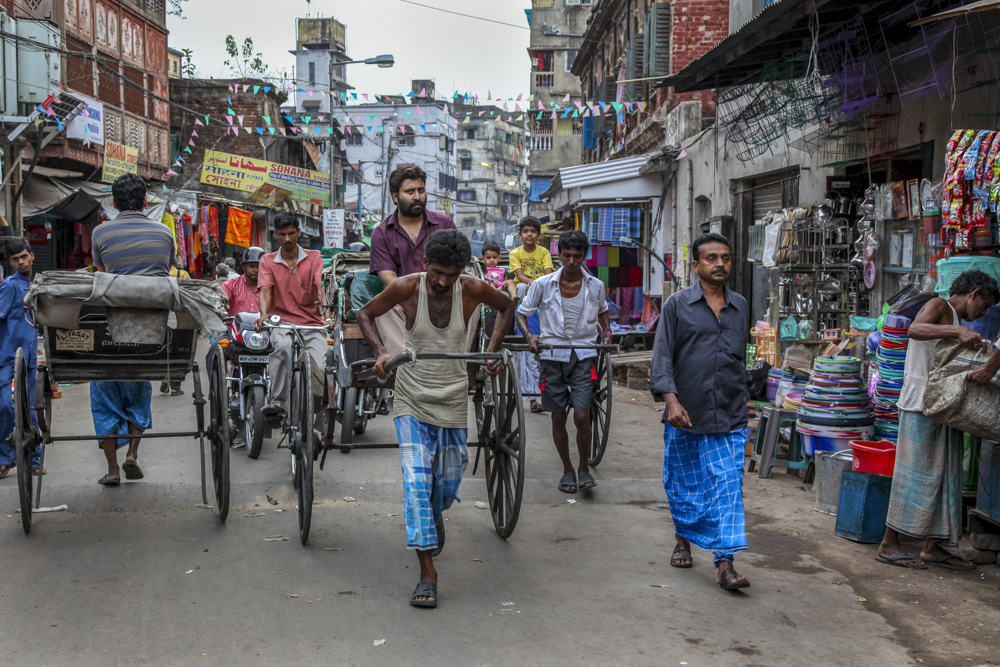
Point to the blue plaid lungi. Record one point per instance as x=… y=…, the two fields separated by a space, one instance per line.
x=703 y=478
x=115 y=404
x=434 y=459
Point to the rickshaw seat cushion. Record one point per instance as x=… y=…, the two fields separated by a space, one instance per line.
x=55 y=298
x=363 y=288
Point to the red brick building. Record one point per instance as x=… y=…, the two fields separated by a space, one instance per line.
x=121 y=70
x=642 y=39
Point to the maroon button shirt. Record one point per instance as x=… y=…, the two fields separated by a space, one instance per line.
x=393 y=250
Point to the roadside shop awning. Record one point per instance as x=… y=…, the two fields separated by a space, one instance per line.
x=779 y=32
x=608 y=182
x=64 y=198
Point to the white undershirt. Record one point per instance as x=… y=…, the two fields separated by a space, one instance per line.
x=572 y=312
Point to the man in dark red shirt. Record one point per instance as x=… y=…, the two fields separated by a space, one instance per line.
x=398 y=242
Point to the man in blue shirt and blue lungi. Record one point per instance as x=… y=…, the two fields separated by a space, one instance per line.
x=699 y=370
x=16 y=331
x=131 y=244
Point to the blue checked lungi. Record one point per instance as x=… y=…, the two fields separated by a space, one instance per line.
x=703 y=478
x=434 y=459
x=926 y=497
x=115 y=404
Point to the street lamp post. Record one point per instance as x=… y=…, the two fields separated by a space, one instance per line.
x=383 y=61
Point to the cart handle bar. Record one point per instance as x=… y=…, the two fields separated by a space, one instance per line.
x=523 y=347
x=411 y=357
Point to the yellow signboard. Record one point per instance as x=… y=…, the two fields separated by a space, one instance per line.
x=118 y=160
x=250 y=174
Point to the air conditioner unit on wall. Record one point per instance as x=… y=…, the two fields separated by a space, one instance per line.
x=8 y=65
x=38 y=68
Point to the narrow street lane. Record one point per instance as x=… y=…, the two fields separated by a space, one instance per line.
x=140 y=574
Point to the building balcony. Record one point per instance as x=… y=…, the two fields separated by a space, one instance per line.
x=540 y=143
x=544 y=80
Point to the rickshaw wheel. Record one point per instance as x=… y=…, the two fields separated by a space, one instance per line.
x=600 y=408
x=505 y=445
x=22 y=438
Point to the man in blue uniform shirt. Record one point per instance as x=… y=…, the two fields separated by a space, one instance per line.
x=16 y=332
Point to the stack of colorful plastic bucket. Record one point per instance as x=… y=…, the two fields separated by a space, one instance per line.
x=891 y=357
x=835 y=407
x=773 y=380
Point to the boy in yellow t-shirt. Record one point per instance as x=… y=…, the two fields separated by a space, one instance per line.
x=528 y=263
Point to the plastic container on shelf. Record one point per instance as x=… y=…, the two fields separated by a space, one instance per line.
x=950 y=269
x=878 y=458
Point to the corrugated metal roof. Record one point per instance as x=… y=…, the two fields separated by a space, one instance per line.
x=602 y=172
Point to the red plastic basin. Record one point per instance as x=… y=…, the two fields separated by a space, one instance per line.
x=874 y=457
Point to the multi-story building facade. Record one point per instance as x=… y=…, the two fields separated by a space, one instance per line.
x=121 y=72
x=557 y=28
x=392 y=132
x=320 y=45
x=640 y=43
x=491 y=170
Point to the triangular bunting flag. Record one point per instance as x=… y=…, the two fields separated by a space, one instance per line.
x=256 y=89
x=171 y=172
x=230 y=111
x=197 y=121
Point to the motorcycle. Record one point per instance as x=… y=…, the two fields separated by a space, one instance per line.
x=247 y=356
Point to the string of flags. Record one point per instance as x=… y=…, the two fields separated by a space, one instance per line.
x=355 y=120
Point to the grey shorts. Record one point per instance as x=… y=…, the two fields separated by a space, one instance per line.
x=566 y=383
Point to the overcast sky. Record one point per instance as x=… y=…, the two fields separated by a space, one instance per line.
x=458 y=53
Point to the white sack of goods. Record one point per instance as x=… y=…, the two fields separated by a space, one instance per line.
x=952 y=399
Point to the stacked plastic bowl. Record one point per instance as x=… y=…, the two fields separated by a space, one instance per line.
x=835 y=407
x=891 y=356
x=793 y=384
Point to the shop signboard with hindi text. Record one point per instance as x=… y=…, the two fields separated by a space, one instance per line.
x=245 y=174
x=118 y=161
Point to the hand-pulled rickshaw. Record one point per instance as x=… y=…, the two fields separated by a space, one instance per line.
x=84 y=343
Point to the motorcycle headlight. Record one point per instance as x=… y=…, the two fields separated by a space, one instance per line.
x=256 y=340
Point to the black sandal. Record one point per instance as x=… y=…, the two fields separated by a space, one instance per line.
x=426 y=589
x=678 y=560
x=731 y=580
x=568 y=483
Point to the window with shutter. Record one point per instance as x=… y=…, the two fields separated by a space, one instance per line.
x=656 y=55
x=634 y=91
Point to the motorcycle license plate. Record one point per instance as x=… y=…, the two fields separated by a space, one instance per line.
x=253 y=358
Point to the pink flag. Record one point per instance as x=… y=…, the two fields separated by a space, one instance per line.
x=519 y=95
x=423 y=92
x=190 y=142
x=194 y=133
x=230 y=119
x=517 y=107
x=171 y=172
x=419 y=112
x=541 y=107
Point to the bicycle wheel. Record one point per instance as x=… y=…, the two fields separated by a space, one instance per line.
x=219 y=438
x=304 y=448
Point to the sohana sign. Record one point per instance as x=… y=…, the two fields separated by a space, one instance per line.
x=118 y=160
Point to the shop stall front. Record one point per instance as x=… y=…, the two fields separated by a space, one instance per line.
x=617 y=205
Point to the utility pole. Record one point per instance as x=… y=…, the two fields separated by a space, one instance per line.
x=388 y=163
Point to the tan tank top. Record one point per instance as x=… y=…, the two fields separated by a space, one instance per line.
x=919 y=360
x=435 y=391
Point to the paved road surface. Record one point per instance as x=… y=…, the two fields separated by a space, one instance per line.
x=140 y=575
